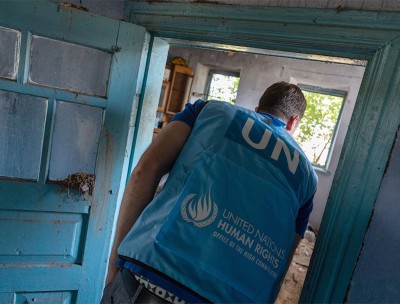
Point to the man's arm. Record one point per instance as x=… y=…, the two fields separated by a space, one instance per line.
x=156 y=161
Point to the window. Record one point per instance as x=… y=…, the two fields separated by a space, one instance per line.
x=223 y=86
x=319 y=124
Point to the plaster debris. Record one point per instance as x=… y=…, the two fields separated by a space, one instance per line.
x=63 y=5
x=83 y=182
x=294 y=279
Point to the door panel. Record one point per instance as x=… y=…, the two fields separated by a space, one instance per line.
x=64 y=231
x=75 y=140
x=10 y=41
x=67 y=98
x=45 y=297
x=66 y=61
x=22 y=119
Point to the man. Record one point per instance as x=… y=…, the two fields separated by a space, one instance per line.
x=234 y=208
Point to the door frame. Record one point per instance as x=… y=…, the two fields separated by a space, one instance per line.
x=358 y=35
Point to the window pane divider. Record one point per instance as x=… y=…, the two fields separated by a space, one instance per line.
x=23 y=56
x=47 y=139
x=53 y=93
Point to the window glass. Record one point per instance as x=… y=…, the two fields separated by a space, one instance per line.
x=223 y=86
x=69 y=66
x=10 y=41
x=75 y=140
x=318 y=126
x=22 y=120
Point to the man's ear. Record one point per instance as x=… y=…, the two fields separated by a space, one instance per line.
x=256 y=109
x=292 y=124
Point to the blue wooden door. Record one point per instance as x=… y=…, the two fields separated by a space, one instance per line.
x=69 y=85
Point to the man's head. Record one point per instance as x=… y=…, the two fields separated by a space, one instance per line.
x=285 y=101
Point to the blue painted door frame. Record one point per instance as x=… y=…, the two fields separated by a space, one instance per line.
x=47 y=275
x=371 y=36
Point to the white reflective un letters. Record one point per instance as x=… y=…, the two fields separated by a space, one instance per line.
x=263 y=143
x=264 y=140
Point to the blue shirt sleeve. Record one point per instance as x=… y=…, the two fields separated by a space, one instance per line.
x=303 y=216
x=190 y=113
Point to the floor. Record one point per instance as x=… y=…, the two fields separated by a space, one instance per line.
x=294 y=280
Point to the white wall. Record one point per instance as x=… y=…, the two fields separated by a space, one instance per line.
x=257 y=72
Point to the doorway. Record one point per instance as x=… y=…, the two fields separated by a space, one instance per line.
x=324 y=32
x=257 y=71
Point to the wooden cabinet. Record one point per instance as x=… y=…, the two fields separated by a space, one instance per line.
x=163 y=96
x=179 y=93
x=175 y=93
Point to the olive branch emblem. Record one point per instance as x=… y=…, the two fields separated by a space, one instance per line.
x=201 y=212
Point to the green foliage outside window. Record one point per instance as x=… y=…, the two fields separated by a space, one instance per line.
x=223 y=88
x=318 y=124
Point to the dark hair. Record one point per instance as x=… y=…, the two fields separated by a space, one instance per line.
x=283 y=100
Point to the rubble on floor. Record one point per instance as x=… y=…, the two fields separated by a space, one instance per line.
x=294 y=280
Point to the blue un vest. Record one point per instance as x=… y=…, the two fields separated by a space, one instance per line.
x=224 y=224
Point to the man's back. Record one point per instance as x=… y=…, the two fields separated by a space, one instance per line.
x=225 y=223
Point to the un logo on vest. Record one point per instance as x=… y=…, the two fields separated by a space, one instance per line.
x=201 y=212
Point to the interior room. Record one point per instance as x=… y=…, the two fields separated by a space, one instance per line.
x=86 y=86
x=189 y=75
x=258 y=71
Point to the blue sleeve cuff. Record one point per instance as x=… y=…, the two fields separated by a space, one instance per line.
x=189 y=113
x=303 y=217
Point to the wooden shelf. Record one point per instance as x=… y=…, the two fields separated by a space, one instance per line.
x=175 y=93
x=181 y=85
